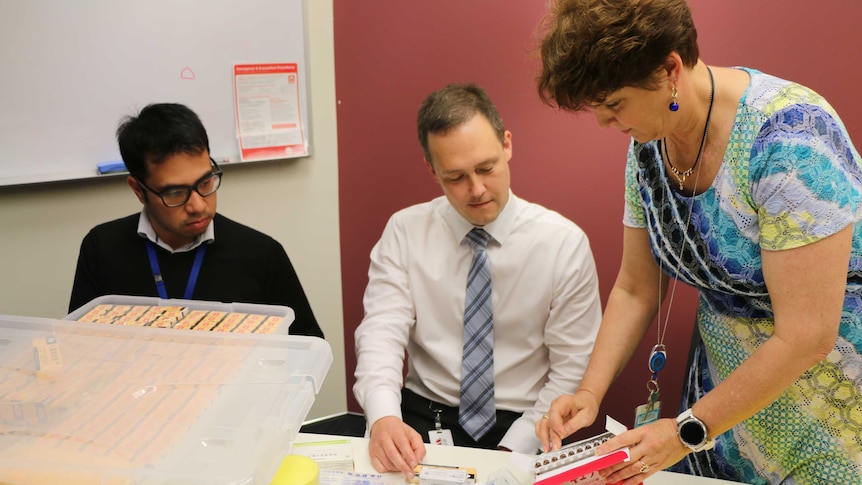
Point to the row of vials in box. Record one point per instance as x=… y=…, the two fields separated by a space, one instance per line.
x=180 y=317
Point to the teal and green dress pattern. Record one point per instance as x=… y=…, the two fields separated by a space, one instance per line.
x=790 y=177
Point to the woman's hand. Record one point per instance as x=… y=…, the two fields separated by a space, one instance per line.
x=652 y=447
x=568 y=413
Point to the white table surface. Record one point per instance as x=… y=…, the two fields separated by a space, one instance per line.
x=485 y=462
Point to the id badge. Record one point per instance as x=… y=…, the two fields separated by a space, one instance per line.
x=441 y=437
x=647 y=413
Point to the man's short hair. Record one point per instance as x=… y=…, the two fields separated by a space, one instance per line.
x=453 y=106
x=159 y=131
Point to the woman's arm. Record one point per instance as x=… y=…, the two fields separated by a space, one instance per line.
x=632 y=304
x=806 y=286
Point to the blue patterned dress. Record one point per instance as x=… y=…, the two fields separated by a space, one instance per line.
x=790 y=177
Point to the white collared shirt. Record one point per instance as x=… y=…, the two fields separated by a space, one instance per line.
x=545 y=299
x=146 y=230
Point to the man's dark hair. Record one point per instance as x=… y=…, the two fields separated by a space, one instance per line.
x=159 y=131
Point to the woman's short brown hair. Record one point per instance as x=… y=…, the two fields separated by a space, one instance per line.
x=592 y=48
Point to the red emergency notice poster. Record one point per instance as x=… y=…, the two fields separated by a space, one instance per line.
x=268 y=118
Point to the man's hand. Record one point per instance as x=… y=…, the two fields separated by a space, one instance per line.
x=395 y=446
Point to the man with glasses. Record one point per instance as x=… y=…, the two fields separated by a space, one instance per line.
x=178 y=246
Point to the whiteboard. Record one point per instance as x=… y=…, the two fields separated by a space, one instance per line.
x=72 y=69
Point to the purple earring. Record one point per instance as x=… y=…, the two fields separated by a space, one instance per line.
x=673 y=106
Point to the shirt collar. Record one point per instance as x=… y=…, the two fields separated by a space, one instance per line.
x=145 y=230
x=499 y=229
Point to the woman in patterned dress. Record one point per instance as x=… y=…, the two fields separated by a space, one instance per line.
x=748 y=188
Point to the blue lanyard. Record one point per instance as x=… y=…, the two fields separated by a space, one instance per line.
x=157 y=272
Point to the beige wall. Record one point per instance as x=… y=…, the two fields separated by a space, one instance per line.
x=296 y=202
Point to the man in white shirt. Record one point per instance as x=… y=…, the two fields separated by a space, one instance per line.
x=544 y=298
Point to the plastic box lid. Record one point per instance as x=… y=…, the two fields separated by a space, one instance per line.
x=87 y=403
x=286 y=313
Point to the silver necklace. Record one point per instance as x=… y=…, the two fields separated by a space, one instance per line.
x=662 y=328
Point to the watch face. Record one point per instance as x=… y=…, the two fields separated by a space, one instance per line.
x=692 y=433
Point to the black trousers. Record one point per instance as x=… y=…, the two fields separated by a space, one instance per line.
x=420 y=414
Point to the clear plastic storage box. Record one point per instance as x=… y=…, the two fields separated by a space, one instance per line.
x=86 y=403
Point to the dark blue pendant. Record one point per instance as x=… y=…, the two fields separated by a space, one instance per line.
x=673 y=106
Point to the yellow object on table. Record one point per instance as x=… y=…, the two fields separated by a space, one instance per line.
x=296 y=470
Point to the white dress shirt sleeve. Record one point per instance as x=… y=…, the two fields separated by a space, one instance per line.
x=381 y=338
x=569 y=333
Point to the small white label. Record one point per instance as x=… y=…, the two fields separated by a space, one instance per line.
x=430 y=476
x=441 y=437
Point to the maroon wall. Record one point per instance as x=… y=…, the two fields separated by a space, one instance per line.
x=389 y=54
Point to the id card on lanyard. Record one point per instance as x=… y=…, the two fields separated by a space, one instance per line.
x=438 y=435
x=157 y=272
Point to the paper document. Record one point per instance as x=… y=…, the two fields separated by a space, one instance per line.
x=268 y=118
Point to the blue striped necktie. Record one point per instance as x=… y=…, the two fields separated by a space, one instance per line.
x=477 y=413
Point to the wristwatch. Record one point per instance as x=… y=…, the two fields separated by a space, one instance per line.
x=692 y=432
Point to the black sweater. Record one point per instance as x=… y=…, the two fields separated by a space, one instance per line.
x=241 y=265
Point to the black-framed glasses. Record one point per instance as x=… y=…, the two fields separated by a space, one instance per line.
x=178 y=195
